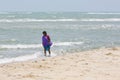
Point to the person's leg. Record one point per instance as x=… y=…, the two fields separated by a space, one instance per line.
x=44 y=52
x=49 y=51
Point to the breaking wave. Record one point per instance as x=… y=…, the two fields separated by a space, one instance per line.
x=60 y=20
x=25 y=46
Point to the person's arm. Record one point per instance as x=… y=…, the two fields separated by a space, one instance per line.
x=43 y=41
x=48 y=38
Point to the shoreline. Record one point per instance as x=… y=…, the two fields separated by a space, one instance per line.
x=96 y=64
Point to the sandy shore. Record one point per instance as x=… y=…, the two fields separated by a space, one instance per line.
x=98 y=64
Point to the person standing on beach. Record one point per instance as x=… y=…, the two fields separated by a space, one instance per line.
x=46 y=42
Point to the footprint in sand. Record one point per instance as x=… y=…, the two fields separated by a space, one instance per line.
x=114 y=48
x=109 y=53
x=30 y=76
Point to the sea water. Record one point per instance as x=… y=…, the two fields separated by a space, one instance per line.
x=21 y=32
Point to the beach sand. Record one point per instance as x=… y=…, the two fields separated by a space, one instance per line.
x=97 y=64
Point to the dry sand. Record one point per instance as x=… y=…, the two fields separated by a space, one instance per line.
x=98 y=64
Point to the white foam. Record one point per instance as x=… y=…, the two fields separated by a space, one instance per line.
x=102 y=20
x=25 y=58
x=33 y=46
x=67 y=43
x=20 y=46
x=17 y=59
x=103 y=13
x=11 y=16
x=41 y=55
x=35 y=20
x=8 y=40
x=59 y=20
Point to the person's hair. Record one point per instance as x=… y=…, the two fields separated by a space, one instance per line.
x=44 y=32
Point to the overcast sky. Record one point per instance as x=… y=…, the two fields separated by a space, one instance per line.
x=61 y=5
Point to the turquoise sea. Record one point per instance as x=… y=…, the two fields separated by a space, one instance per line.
x=21 y=32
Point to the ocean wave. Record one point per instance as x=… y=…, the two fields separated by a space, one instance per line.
x=61 y=20
x=102 y=20
x=103 y=13
x=16 y=13
x=16 y=59
x=20 y=46
x=27 y=46
x=8 y=40
x=11 y=16
x=67 y=43
x=25 y=57
x=35 y=20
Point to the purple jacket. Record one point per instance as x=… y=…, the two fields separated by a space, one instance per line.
x=46 y=41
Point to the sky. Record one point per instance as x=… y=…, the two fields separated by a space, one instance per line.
x=61 y=5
